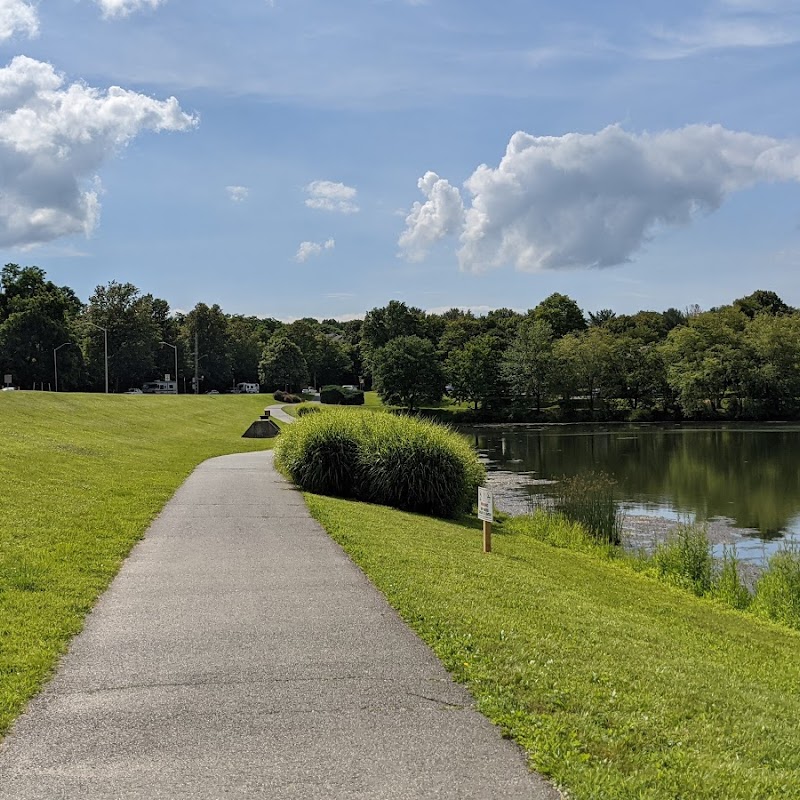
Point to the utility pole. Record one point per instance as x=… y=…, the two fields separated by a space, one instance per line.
x=196 y=362
x=105 y=347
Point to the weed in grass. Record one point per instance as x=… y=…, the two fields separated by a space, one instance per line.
x=777 y=595
x=685 y=559
x=727 y=585
x=589 y=500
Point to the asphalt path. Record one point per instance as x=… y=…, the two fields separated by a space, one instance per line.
x=239 y=653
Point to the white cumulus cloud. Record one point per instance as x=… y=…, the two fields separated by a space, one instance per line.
x=17 y=16
x=53 y=139
x=440 y=215
x=330 y=196
x=308 y=249
x=589 y=200
x=238 y=193
x=121 y=8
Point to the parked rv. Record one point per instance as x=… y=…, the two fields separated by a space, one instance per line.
x=161 y=387
x=247 y=388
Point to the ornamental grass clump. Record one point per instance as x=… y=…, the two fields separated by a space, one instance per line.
x=408 y=463
x=320 y=452
x=589 y=500
x=418 y=465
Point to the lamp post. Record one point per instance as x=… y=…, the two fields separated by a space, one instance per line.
x=175 y=348
x=105 y=342
x=55 y=360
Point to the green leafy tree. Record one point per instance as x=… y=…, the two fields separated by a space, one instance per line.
x=282 y=365
x=215 y=360
x=707 y=360
x=245 y=347
x=381 y=325
x=561 y=313
x=762 y=302
x=774 y=342
x=584 y=363
x=474 y=370
x=406 y=372
x=36 y=316
x=459 y=328
x=133 y=336
x=529 y=363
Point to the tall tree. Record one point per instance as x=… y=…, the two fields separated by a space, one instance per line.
x=215 y=364
x=529 y=363
x=381 y=325
x=474 y=370
x=282 y=365
x=707 y=360
x=561 y=313
x=406 y=372
x=133 y=336
x=36 y=317
x=762 y=302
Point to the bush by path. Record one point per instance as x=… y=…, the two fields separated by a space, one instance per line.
x=404 y=462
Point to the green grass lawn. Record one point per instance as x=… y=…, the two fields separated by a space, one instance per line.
x=81 y=477
x=618 y=686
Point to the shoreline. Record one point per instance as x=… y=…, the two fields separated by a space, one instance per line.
x=641 y=532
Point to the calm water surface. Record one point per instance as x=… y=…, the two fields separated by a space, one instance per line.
x=747 y=477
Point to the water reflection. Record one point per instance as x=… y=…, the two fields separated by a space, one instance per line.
x=750 y=475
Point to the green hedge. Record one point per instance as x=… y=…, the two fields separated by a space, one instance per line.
x=408 y=463
x=339 y=396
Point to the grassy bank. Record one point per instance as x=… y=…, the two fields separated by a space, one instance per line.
x=81 y=477
x=618 y=686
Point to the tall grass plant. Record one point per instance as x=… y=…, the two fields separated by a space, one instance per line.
x=400 y=461
x=777 y=595
x=589 y=500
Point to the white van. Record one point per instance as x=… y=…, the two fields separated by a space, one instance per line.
x=248 y=388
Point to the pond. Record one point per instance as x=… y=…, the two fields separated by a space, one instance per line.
x=743 y=481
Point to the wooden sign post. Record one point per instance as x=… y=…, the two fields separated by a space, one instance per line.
x=486 y=513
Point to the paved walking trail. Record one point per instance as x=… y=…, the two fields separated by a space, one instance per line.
x=240 y=654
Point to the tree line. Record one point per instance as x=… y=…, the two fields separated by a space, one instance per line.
x=553 y=362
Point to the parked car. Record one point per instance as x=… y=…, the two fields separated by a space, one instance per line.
x=9 y=388
x=134 y=391
x=213 y=391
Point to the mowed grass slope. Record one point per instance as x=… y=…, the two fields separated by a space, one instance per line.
x=618 y=686
x=81 y=477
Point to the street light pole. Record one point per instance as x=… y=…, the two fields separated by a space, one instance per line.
x=55 y=360
x=105 y=342
x=175 y=348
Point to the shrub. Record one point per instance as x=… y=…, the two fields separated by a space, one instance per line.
x=331 y=395
x=589 y=500
x=404 y=462
x=685 y=559
x=303 y=410
x=352 y=397
x=286 y=397
x=321 y=454
x=777 y=594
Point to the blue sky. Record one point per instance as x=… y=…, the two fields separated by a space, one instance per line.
x=636 y=155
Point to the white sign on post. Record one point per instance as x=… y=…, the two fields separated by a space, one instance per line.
x=485 y=505
x=7 y=380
